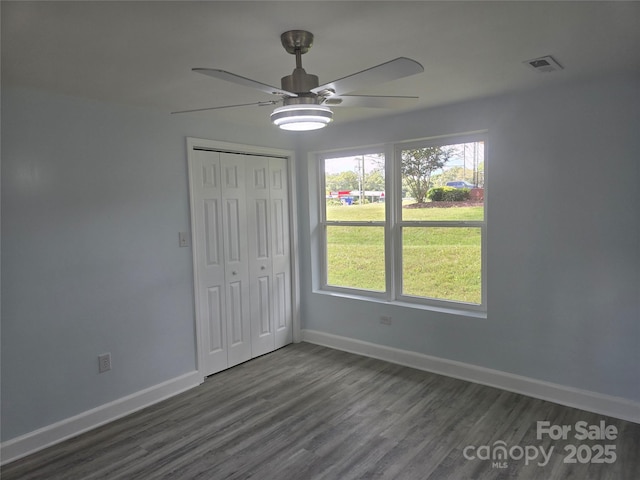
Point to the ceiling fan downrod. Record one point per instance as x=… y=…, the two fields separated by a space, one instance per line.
x=298 y=42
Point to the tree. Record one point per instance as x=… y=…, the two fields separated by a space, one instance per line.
x=341 y=181
x=374 y=181
x=417 y=167
x=449 y=175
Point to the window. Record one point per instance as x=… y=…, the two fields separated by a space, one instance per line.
x=355 y=222
x=408 y=225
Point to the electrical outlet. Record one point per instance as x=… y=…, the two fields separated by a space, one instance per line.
x=385 y=320
x=104 y=362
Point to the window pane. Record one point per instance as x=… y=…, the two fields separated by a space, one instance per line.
x=443 y=182
x=355 y=257
x=443 y=263
x=355 y=188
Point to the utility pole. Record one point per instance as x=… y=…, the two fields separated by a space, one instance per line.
x=475 y=163
x=363 y=184
x=464 y=162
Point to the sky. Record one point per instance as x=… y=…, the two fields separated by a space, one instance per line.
x=351 y=163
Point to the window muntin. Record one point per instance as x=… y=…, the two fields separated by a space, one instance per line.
x=393 y=250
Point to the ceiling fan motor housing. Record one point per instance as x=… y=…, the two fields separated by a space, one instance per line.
x=299 y=81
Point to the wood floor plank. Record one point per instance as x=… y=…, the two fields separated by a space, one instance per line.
x=307 y=412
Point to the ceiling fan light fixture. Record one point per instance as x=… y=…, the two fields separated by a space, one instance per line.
x=301 y=118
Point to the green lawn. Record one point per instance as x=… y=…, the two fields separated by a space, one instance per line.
x=438 y=262
x=376 y=212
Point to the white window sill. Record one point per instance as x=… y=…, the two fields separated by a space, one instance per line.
x=470 y=313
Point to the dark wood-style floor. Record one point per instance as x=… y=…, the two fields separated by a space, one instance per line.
x=309 y=412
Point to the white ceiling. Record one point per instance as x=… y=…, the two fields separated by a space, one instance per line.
x=141 y=53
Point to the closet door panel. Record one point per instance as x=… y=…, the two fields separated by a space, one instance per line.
x=260 y=251
x=208 y=254
x=280 y=258
x=236 y=264
x=216 y=321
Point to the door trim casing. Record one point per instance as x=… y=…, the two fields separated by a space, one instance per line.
x=243 y=149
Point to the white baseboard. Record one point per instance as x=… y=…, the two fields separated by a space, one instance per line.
x=583 y=399
x=572 y=397
x=50 y=435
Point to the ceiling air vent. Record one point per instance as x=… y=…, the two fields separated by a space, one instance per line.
x=544 y=64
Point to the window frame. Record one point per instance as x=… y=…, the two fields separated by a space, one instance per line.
x=394 y=224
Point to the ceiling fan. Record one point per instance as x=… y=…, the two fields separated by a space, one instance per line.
x=305 y=103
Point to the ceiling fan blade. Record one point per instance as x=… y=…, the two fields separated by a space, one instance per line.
x=399 y=68
x=240 y=80
x=260 y=104
x=370 y=101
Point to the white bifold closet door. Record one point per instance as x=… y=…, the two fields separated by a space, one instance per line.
x=242 y=256
x=269 y=260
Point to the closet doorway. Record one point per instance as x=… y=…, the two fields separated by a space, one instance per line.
x=244 y=263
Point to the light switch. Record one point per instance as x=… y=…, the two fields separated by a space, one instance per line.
x=183 y=238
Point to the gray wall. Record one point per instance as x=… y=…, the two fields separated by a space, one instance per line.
x=563 y=176
x=93 y=198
